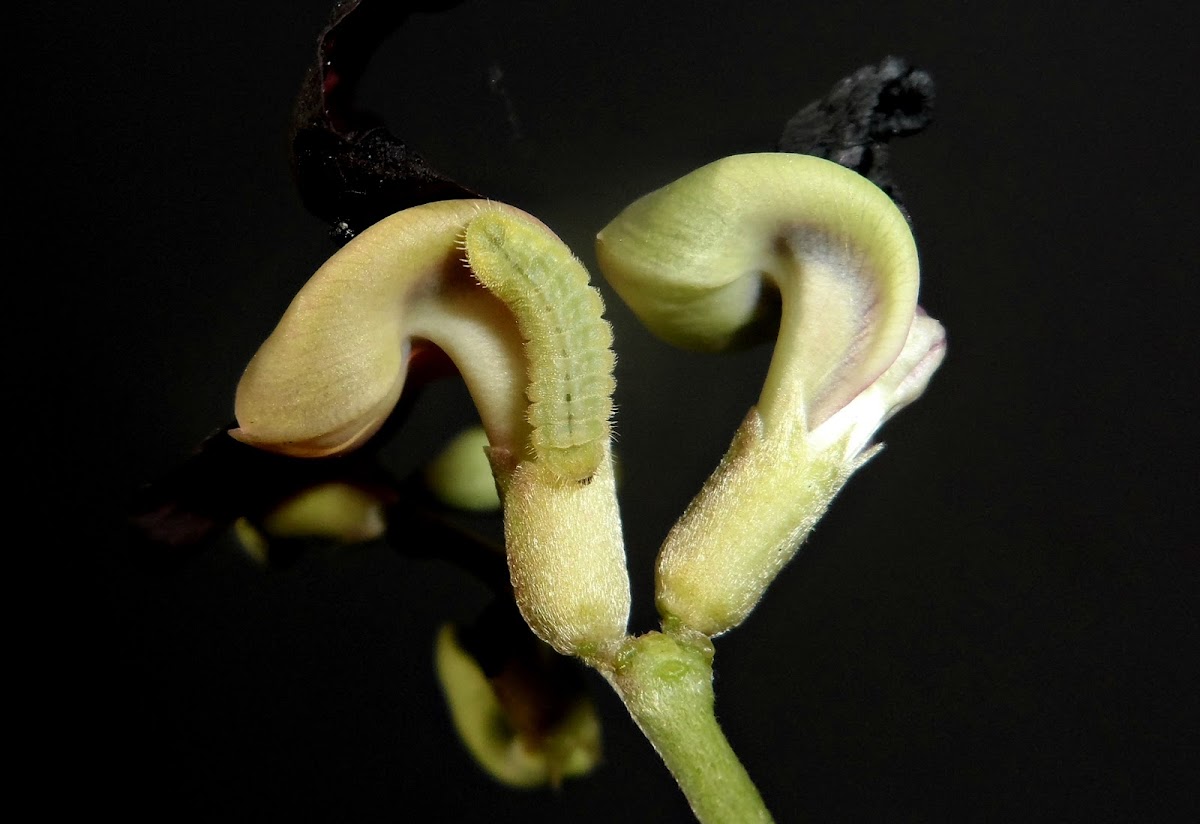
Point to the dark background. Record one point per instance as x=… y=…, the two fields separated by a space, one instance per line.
x=995 y=622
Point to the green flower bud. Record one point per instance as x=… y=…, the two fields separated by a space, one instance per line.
x=702 y=262
x=524 y=726
x=334 y=511
x=460 y=476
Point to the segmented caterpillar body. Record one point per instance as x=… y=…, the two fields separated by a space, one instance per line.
x=567 y=341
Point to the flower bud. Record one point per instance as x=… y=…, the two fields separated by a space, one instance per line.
x=704 y=262
x=525 y=725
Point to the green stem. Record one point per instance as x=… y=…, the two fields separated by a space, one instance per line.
x=666 y=683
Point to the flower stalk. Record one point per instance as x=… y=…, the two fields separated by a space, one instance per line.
x=665 y=681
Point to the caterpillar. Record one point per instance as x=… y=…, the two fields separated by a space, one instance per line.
x=568 y=343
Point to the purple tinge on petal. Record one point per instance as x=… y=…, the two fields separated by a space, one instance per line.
x=923 y=353
x=855 y=424
x=848 y=321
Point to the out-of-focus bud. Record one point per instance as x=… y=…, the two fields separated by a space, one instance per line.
x=460 y=476
x=525 y=724
x=338 y=512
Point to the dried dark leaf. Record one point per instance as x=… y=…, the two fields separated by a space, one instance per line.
x=350 y=170
x=853 y=124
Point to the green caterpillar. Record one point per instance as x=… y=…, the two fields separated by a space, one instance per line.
x=568 y=343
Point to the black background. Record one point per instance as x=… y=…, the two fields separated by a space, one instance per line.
x=995 y=622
